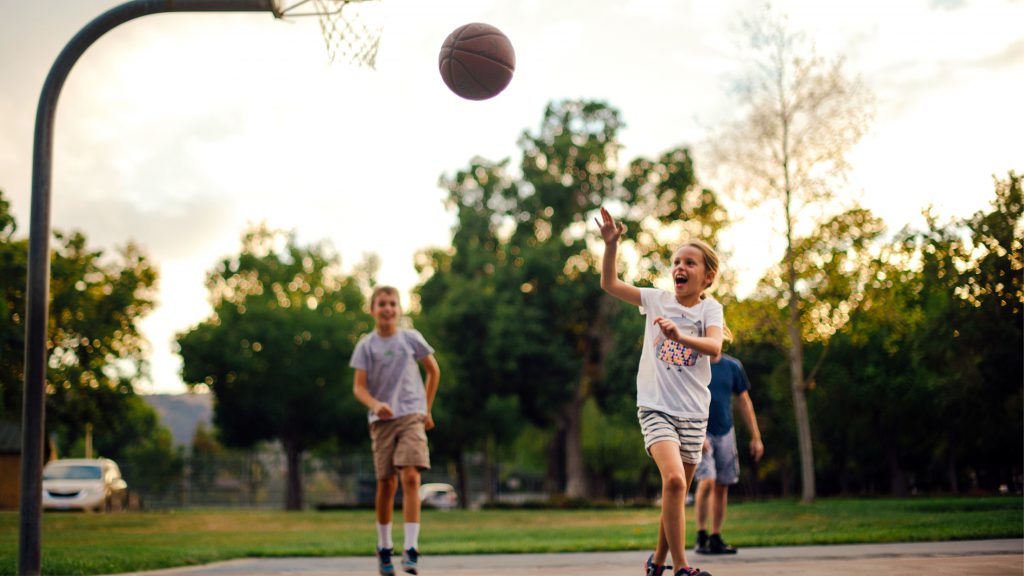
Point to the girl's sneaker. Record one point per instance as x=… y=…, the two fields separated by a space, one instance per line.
x=652 y=569
x=691 y=571
x=384 y=564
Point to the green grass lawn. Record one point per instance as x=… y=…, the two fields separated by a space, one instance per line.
x=76 y=543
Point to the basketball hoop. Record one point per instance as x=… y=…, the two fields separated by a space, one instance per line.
x=345 y=26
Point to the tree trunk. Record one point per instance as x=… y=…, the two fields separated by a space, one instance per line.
x=597 y=344
x=554 y=478
x=575 y=469
x=897 y=479
x=954 y=482
x=293 y=483
x=490 y=482
x=645 y=473
x=796 y=364
x=803 y=421
x=462 y=480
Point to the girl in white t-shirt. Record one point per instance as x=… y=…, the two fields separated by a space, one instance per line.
x=673 y=376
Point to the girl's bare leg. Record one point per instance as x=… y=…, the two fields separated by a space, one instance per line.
x=675 y=481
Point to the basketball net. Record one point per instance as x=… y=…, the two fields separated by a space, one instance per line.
x=346 y=30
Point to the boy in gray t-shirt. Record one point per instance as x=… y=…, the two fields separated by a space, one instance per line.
x=389 y=383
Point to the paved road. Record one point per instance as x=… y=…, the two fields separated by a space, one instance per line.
x=969 y=558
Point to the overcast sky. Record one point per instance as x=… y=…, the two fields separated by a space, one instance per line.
x=177 y=130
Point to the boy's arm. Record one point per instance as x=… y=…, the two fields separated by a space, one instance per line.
x=747 y=409
x=610 y=282
x=433 y=377
x=362 y=393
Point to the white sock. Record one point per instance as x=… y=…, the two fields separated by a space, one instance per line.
x=412 y=535
x=384 y=536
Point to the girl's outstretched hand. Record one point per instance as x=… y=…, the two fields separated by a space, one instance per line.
x=668 y=328
x=610 y=229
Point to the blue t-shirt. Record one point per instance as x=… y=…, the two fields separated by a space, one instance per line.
x=727 y=379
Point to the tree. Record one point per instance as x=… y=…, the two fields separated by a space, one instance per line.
x=834 y=267
x=460 y=301
x=275 y=350
x=800 y=116
x=989 y=321
x=144 y=448
x=13 y=274
x=95 y=349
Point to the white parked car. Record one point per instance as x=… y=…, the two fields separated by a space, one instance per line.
x=83 y=484
x=438 y=495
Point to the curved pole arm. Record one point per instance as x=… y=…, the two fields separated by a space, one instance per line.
x=38 y=288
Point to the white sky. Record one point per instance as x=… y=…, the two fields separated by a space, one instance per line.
x=176 y=130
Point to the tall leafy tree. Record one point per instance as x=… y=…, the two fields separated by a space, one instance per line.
x=553 y=303
x=96 y=351
x=799 y=116
x=275 y=350
x=988 y=329
x=834 y=266
x=13 y=272
x=458 y=303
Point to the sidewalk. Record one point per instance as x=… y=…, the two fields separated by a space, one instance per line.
x=963 y=558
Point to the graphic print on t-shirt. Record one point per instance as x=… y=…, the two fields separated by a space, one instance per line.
x=672 y=354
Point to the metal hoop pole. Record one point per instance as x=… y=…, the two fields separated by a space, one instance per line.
x=37 y=306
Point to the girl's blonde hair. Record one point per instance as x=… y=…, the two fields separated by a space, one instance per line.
x=711 y=265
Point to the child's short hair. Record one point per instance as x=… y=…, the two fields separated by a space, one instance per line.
x=378 y=290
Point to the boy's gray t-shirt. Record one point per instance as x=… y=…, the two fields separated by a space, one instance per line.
x=392 y=373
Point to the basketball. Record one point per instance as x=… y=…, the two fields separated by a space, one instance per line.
x=477 y=61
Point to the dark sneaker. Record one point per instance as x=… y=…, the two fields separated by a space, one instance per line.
x=652 y=569
x=384 y=564
x=718 y=546
x=409 y=559
x=691 y=571
x=702 y=542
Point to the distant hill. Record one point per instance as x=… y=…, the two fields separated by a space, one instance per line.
x=182 y=413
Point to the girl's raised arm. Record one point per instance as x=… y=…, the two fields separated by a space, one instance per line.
x=611 y=231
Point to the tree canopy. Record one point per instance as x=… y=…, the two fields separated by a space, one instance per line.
x=275 y=350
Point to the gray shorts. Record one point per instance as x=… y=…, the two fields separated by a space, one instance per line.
x=688 y=433
x=721 y=463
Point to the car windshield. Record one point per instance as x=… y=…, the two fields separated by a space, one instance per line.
x=75 y=472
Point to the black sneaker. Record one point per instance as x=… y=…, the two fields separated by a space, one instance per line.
x=718 y=546
x=691 y=571
x=702 y=542
x=652 y=569
x=384 y=564
x=409 y=560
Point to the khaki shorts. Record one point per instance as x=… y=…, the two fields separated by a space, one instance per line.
x=399 y=442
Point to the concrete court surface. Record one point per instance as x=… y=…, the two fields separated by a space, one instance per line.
x=963 y=558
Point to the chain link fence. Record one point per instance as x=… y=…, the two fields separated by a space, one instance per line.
x=258 y=480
